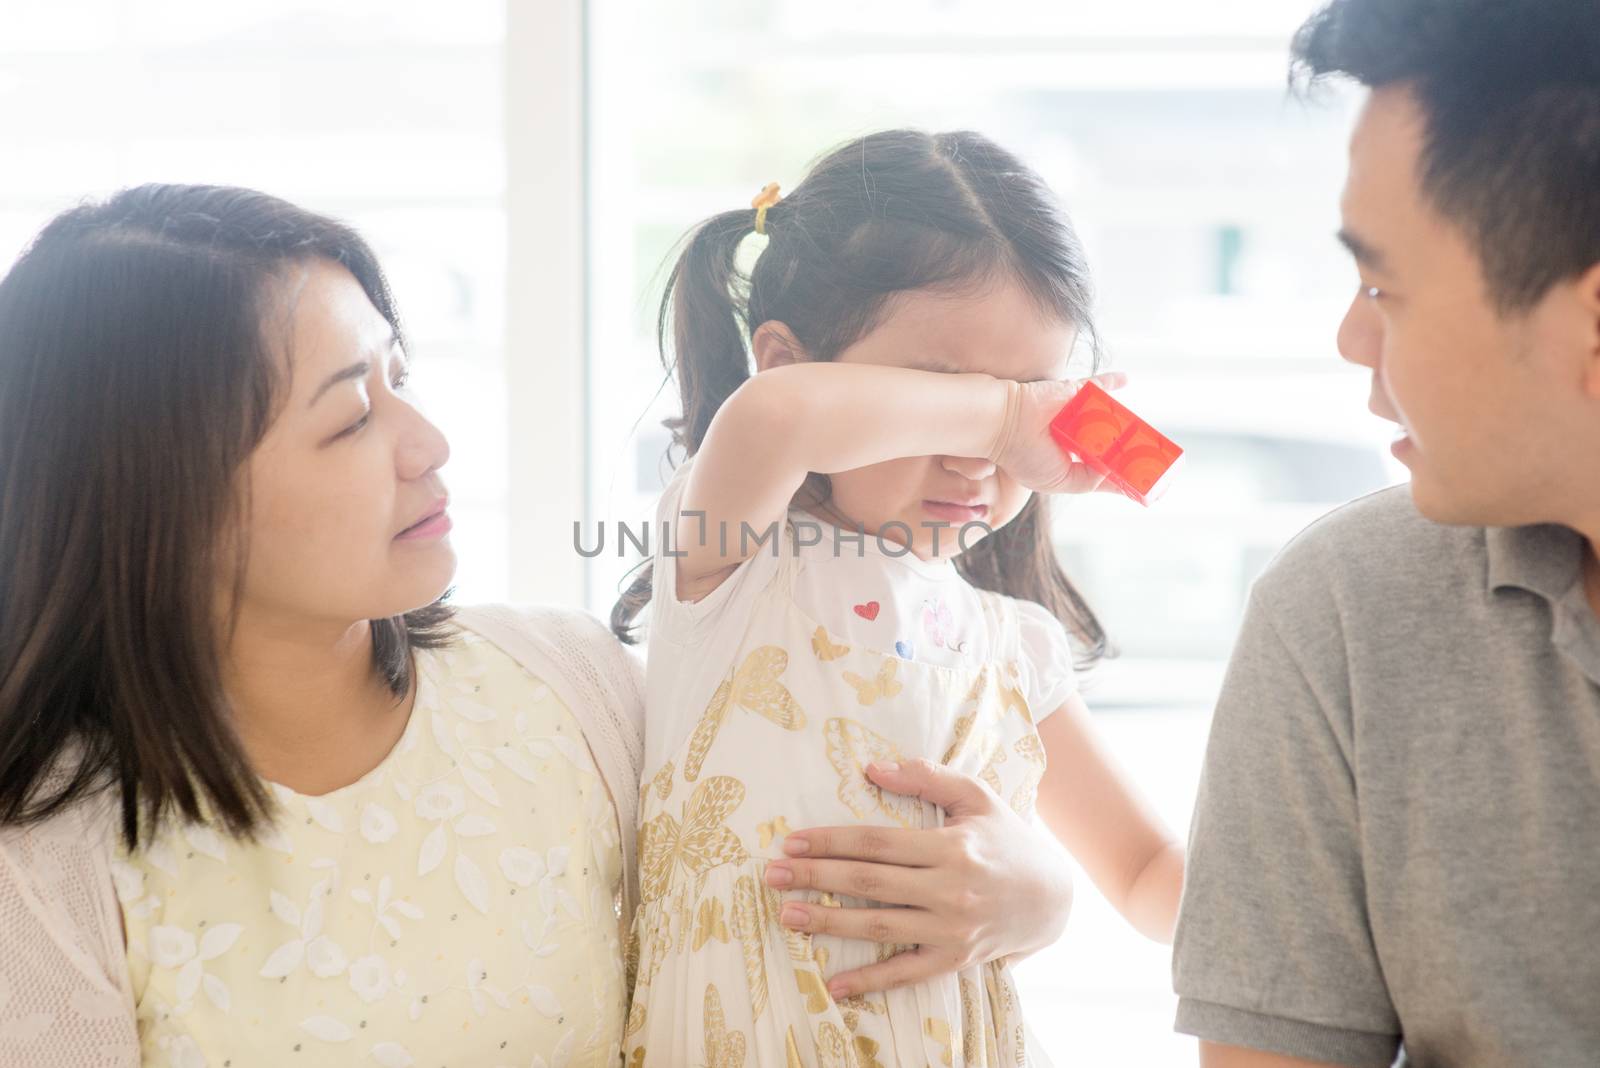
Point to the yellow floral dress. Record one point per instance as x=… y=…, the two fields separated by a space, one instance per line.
x=455 y=906
x=782 y=745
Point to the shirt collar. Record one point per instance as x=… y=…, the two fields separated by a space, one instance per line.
x=1546 y=559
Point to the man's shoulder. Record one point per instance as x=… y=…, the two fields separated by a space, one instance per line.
x=1378 y=551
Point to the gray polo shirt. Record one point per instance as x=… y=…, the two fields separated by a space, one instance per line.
x=1397 y=837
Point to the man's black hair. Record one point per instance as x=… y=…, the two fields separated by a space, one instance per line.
x=1510 y=95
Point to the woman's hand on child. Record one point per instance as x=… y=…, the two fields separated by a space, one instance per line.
x=983 y=886
x=1024 y=448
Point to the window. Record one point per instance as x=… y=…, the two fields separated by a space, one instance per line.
x=1207 y=199
x=387 y=116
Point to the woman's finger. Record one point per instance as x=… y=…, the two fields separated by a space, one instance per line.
x=881 y=845
x=902 y=969
x=886 y=883
x=959 y=795
x=886 y=926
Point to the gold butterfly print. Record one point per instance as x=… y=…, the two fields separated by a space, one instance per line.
x=831 y=1049
x=724 y=1048
x=971 y=1025
x=754 y=687
x=824 y=648
x=663 y=781
x=791 y=1050
x=853 y=1006
x=776 y=829
x=939 y=1031
x=637 y=1060
x=709 y=923
x=813 y=990
x=700 y=843
x=885 y=685
x=660 y=944
x=747 y=926
x=850 y=748
x=980 y=682
x=635 y=1020
x=1011 y=697
x=630 y=955
x=866 y=1052
x=1031 y=749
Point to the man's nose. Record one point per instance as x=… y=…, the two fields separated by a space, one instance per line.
x=1360 y=337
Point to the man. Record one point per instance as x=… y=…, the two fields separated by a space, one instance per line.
x=1396 y=849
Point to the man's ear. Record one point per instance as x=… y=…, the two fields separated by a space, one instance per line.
x=1589 y=297
x=775 y=345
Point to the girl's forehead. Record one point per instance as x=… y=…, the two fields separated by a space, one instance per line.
x=1000 y=331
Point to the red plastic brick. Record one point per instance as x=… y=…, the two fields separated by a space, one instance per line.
x=1109 y=438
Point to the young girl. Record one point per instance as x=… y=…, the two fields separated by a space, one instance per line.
x=856 y=569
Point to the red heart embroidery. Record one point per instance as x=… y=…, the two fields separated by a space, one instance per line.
x=868 y=611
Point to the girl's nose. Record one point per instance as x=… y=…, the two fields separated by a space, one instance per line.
x=974 y=467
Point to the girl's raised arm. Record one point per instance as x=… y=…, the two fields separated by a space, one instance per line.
x=827 y=417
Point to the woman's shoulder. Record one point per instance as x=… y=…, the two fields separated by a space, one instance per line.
x=599 y=679
x=571 y=638
x=79 y=834
x=60 y=942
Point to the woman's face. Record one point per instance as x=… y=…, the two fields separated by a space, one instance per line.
x=346 y=471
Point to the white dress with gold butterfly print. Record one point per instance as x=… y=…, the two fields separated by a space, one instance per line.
x=796 y=711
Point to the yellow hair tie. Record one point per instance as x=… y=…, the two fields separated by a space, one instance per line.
x=764 y=200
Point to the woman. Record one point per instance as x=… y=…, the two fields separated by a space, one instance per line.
x=264 y=798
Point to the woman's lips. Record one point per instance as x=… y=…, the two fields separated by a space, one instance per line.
x=434 y=526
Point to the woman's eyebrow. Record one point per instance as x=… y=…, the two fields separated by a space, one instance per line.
x=360 y=369
x=355 y=370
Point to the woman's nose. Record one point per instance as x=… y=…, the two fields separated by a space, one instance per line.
x=974 y=467
x=422 y=448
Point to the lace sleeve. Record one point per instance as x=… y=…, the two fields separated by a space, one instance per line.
x=65 y=1000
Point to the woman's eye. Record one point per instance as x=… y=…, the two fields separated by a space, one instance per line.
x=354 y=427
x=402 y=380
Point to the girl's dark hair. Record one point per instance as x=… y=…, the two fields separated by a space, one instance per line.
x=888 y=213
x=137 y=375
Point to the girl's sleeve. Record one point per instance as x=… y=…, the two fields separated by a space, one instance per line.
x=685 y=621
x=1048 y=677
x=65 y=1001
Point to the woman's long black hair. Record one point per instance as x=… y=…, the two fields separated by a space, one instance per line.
x=136 y=377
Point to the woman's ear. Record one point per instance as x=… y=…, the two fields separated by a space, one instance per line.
x=775 y=345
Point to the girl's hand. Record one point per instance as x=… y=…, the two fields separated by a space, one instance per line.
x=1024 y=448
x=983 y=886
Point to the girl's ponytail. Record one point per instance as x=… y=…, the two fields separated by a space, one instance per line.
x=704 y=309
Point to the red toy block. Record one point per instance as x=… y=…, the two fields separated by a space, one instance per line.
x=1109 y=438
